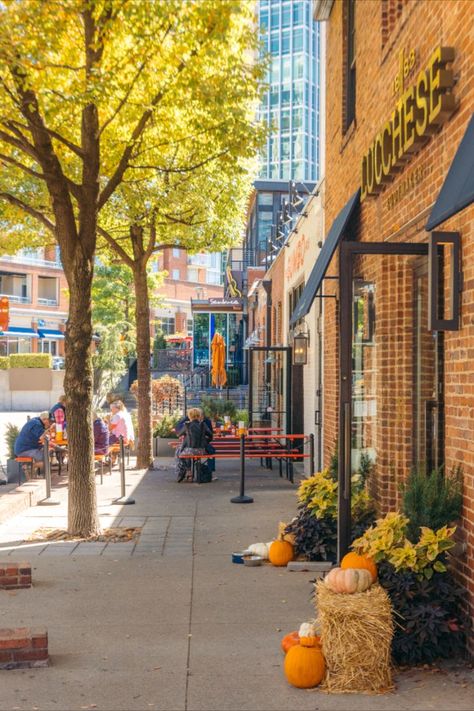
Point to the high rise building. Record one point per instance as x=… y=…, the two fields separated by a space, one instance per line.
x=292 y=39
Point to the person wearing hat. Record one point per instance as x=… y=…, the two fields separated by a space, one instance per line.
x=29 y=442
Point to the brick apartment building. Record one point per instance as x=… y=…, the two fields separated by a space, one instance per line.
x=34 y=282
x=196 y=276
x=398 y=348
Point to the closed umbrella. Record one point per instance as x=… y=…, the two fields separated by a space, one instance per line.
x=218 y=374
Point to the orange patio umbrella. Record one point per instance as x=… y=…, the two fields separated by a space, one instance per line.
x=219 y=376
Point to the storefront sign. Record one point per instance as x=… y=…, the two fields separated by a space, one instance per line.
x=296 y=258
x=419 y=113
x=4 y=313
x=406 y=185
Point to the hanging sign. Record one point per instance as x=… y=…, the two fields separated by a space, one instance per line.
x=4 y=313
x=420 y=112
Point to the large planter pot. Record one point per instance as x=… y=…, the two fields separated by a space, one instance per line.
x=14 y=471
x=161 y=448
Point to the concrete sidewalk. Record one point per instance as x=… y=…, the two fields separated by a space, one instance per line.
x=171 y=623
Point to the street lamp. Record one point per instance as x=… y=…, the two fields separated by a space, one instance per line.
x=300 y=349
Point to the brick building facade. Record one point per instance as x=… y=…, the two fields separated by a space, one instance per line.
x=400 y=96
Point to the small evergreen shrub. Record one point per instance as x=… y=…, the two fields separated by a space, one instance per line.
x=4 y=362
x=30 y=360
x=165 y=426
x=433 y=500
x=11 y=433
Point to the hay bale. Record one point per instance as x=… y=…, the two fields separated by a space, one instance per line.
x=356 y=633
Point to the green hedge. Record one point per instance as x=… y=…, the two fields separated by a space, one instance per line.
x=30 y=360
x=4 y=362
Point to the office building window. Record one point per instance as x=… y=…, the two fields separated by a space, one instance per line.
x=285 y=43
x=286 y=15
x=176 y=252
x=349 y=57
x=193 y=274
x=298 y=13
x=166 y=324
x=298 y=40
x=265 y=199
x=175 y=274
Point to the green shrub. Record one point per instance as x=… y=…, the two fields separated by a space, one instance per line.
x=215 y=408
x=30 y=360
x=242 y=416
x=11 y=433
x=4 y=362
x=432 y=500
x=165 y=427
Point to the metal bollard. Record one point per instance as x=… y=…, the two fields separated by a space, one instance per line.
x=311 y=453
x=242 y=498
x=123 y=499
x=48 y=501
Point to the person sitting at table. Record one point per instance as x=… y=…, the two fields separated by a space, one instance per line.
x=118 y=425
x=196 y=436
x=29 y=442
x=180 y=429
x=58 y=411
x=101 y=435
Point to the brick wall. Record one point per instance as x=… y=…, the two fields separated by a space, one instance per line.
x=383 y=29
x=15 y=575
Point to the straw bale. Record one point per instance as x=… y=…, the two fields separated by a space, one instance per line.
x=356 y=633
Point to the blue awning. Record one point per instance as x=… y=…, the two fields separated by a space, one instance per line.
x=23 y=332
x=330 y=244
x=457 y=191
x=51 y=334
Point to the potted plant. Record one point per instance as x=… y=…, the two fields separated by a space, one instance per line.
x=163 y=432
x=14 y=469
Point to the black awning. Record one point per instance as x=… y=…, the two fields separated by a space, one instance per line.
x=322 y=262
x=458 y=188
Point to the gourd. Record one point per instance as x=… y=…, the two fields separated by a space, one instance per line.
x=289 y=640
x=281 y=552
x=304 y=664
x=354 y=560
x=348 y=581
x=260 y=549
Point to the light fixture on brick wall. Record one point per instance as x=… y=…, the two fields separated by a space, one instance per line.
x=300 y=349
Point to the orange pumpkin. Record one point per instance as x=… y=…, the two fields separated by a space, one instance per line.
x=304 y=664
x=290 y=640
x=354 y=560
x=280 y=553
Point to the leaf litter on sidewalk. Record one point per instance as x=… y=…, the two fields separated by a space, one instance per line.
x=117 y=534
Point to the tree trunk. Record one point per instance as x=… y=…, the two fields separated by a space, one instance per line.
x=82 y=503
x=142 y=320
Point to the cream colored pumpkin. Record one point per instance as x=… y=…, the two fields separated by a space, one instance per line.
x=307 y=629
x=348 y=581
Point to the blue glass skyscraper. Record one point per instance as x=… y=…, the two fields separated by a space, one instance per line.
x=292 y=38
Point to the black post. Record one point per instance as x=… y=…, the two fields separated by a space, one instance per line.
x=242 y=498
x=123 y=497
x=48 y=501
x=311 y=453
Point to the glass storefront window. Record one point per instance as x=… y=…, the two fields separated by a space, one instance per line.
x=285 y=43
x=201 y=339
x=265 y=199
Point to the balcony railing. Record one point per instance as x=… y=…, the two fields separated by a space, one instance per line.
x=47 y=302
x=17 y=299
x=34 y=261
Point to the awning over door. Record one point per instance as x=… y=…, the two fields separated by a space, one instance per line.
x=330 y=244
x=19 y=332
x=51 y=334
x=458 y=188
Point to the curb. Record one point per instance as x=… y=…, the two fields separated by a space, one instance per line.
x=23 y=497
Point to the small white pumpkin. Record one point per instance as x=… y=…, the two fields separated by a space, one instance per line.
x=348 y=581
x=307 y=629
x=260 y=549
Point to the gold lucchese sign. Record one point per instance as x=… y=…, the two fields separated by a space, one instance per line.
x=419 y=113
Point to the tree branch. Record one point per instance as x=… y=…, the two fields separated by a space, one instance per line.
x=124 y=99
x=30 y=211
x=115 y=246
x=23 y=145
x=24 y=168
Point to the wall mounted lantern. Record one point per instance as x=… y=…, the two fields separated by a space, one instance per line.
x=300 y=349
